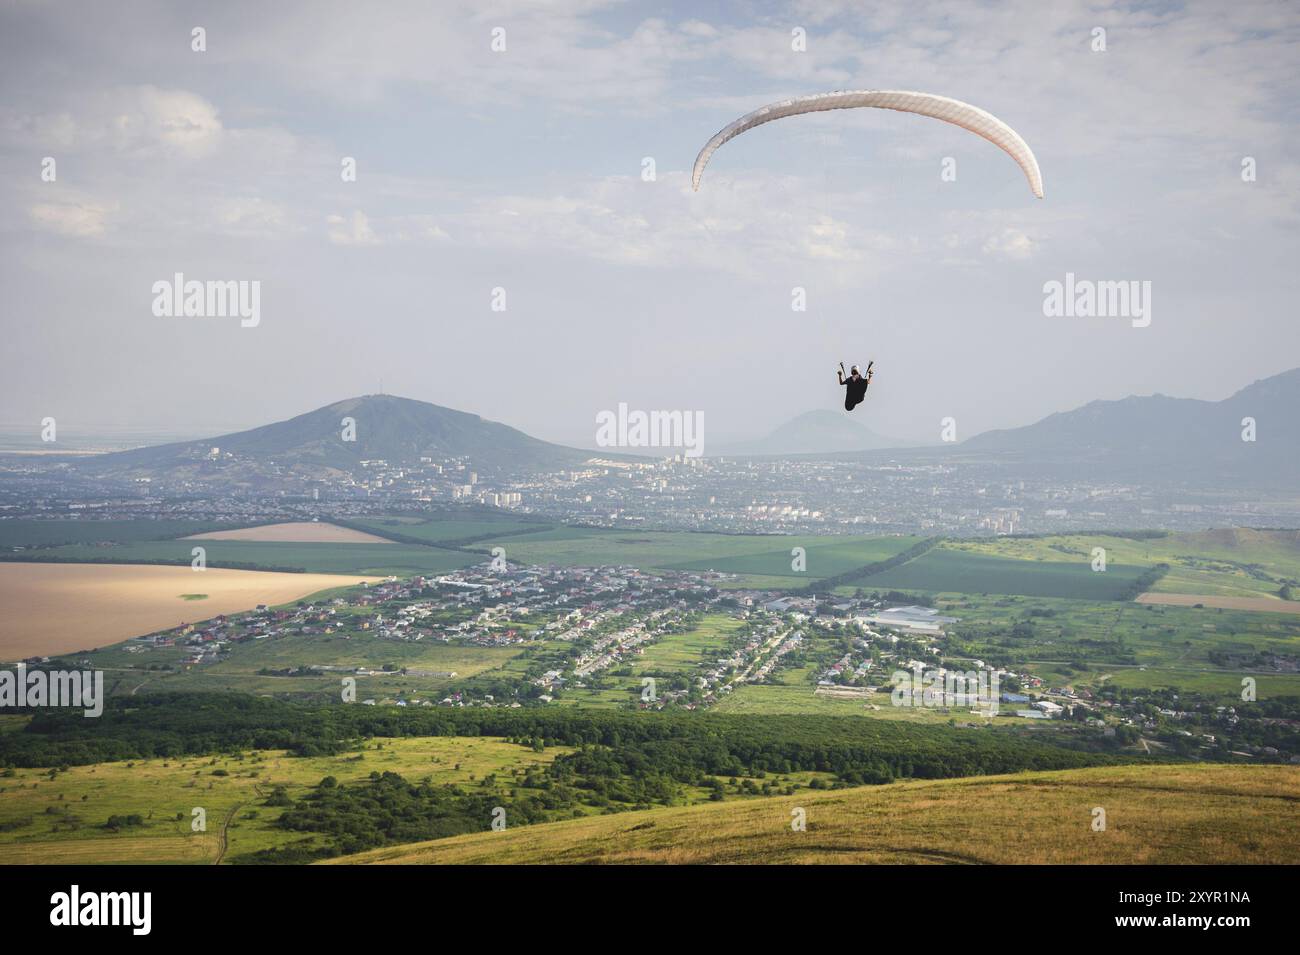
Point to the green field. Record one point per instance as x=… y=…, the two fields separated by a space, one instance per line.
x=956 y=571
x=28 y=533
x=442 y=531
x=826 y=557
x=764 y=559
x=331 y=558
x=683 y=652
x=1235 y=562
x=1220 y=685
x=766 y=555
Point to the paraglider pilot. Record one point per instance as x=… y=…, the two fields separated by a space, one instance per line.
x=855 y=385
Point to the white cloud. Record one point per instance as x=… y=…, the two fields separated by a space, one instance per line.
x=351 y=230
x=252 y=217
x=175 y=118
x=78 y=219
x=140 y=120
x=745 y=228
x=1010 y=243
x=554 y=50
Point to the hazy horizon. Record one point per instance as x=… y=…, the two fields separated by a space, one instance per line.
x=15 y=435
x=522 y=170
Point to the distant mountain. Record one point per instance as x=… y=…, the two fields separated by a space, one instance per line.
x=388 y=428
x=1172 y=438
x=814 y=432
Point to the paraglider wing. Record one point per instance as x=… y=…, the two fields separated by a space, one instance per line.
x=925 y=104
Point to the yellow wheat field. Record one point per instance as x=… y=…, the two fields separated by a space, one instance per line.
x=58 y=608
x=1262 y=604
x=294 y=532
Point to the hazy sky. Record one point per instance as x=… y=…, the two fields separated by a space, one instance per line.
x=522 y=169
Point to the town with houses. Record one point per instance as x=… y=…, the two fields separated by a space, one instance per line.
x=735 y=495
x=581 y=632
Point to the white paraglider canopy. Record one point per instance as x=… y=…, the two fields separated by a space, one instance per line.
x=925 y=104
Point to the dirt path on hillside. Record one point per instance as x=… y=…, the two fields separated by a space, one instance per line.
x=223 y=840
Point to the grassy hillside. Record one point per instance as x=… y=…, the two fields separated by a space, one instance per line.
x=1154 y=815
x=59 y=817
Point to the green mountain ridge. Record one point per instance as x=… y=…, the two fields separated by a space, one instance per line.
x=382 y=427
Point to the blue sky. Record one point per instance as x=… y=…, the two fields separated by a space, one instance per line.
x=522 y=169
